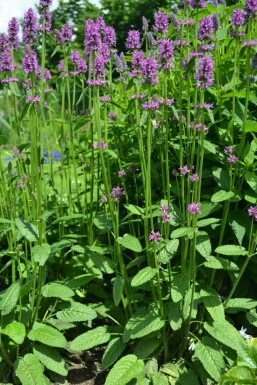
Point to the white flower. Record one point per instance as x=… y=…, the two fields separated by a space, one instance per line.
x=191 y=346
x=242 y=331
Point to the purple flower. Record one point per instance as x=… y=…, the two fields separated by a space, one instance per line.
x=232 y=159
x=29 y=61
x=194 y=208
x=165 y=217
x=151 y=40
x=13 y=30
x=136 y=62
x=164 y=207
x=251 y=8
x=64 y=35
x=121 y=173
x=194 y=177
x=229 y=150
x=161 y=22
x=105 y=99
x=216 y=22
x=145 y=24
x=116 y=192
x=250 y=43
x=112 y=116
x=184 y=170
x=133 y=39
x=252 y=212
x=109 y=37
x=35 y=99
x=92 y=38
x=46 y=19
x=206 y=28
x=204 y=74
x=30 y=27
x=197 y=3
x=150 y=70
x=165 y=53
x=45 y=3
x=154 y=236
x=6 y=60
x=103 y=198
x=176 y=23
x=238 y=18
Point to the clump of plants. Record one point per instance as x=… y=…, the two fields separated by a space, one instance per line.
x=129 y=198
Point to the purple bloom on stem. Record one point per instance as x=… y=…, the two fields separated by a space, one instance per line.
x=116 y=192
x=64 y=35
x=29 y=61
x=6 y=60
x=206 y=28
x=165 y=53
x=194 y=208
x=92 y=37
x=165 y=217
x=194 y=177
x=103 y=198
x=232 y=159
x=154 y=236
x=197 y=3
x=250 y=43
x=145 y=24
x=229 y=150
x=216 y=22
x=30 y=27
x=13 y=30
x=251 y=8
x=136 y=62
x=121 y=173
x=161 y=22
x=133 y=39
x=109 y=37
x=252 y=212
x=45 y=3
x=184 y=170
x=204 y=75
x=164 y=207
x=150 y=70
x=112 y=116
x=151 y=40
x=46 y=19
x=176 y=23
x=238 y=18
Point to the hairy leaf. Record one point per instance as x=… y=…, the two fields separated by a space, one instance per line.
x=235 y=305
x=181 y=232
x=16 y=331
x=178 y=286
x=146 y=346
x=88 y=340
x=77 y=312
x=118 y=289
x=168 y=251
x=47 y=335
x=112 y=352
x=213 y=304
x=27 y=230
x=57 y=290
x=231 y=250
x=221 y=196
x=220 y=263
x=51 y=359
x=210 y=356
x=143 y=276
x=130 y=242
x=29 y=370
x=203 y=244
x=9 y=298
x=124 y=370
x=207 y=222
x=251 y=179
x=134 y=209
x=41 y=253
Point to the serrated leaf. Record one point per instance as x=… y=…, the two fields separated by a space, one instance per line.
x=27 y=230
x=106 y=265
x=168 y=251
x=235 y=305
x=102 y=222
x=210 y=356
x=57 y=290
x=80 y=280
x=221 y=196
x=143 y=276
x=112 y=352
x=239 y=229
x=159 y=379
x=203 y=244
x=145 y=347
x=29 y=370
x=178 y=286
x=90 y=339
x=174 y=311
x=213 y=303
x=252 y=318
x=130 y=242
x=16 y=331
x=77 y=312
x=250 y=126
x=118 y=289
x=220 y=263
x=127 y=368
x=9 y=298
x=207 y=222
x=142 y=324
x=41 y=253
x=222 y=177
x=181 y=232
x=251 y=179
x=231 y=250
x=47 y=335
x=51 y=359
x=134 y=209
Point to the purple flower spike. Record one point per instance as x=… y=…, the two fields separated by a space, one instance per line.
x=29 y=61
x=238 y=18
x=150 y=70
x=161 y=22
x=206 y=28
x=154 y=236
x=13 y=30
x=109 y=37
x=30 y=27
x=92 y=38
x=194 y=208
x=64 y=35
x=252 y=212
x=204 y=75
x=45 y=3
x=133 y=40
x=232 y=159
x=165 y=53
x=251 y=8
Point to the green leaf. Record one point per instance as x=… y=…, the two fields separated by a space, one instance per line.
x=57 y=290
x=221 y=177
x=29 y=370
x=250 y=126
x=80 y=281
x=16 y=331
x=203 y=244
x=252 y=318
x=210 y=356
x=27 y=230
x=102 y=222
x=90 y=339
x=220 y=263
x=181 y=232
x=51 y=359
x=112 y=352
x=14 y=89
x=95 y=254
x=251 y=179
x=231 y=250
x=41 y=253
x=174 y=311
x=160 y=379
x=143 y=276
x=207 y=222
x=9 y=298
x=168 y=251
x=221 y=34
x=213 y=303
x=141 y=324
x=118 y=289
x=240 y=375
x=47 y=335
x=127 y=368
x=239 y=224
x=134 y=209
x=130 y=242
x=178 y=286
x=235 y=305
x=77 y=312
x=145 y=347
x=221 y=196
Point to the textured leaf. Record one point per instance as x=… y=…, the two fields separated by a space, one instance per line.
x=207 y=222
x=188 y=377
x=210 y=356
x=118 y=289
x=27 y=230
x=213 y=303
x=103 y=263
x=222 y=177
x=41 y=253
x=251 y=179
x=124 y=370
x=16 y=331
x=250 y=126
x=57 y=290
x=203 y=244
x=145 y=347
x=159 y=379
x=235 y=305
x=102 y=222
x=143 y=276
x=47 y=335
x=51 y=359
x=9 y=298
x=130 y=242
x=252 y=318
x=221 y=196
x=134 y=209
x=112 y=352
x=29 y=370
x=142 y=324
x=80 y=280
x=181 y=232
x=168 y=251
x=77 y=312
x=231 y=250
x=220 y=263
x=88 y=340
x=178 y=286
x=175 y=315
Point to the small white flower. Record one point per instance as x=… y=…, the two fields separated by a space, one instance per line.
x=192 y=346
x=242 y=331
